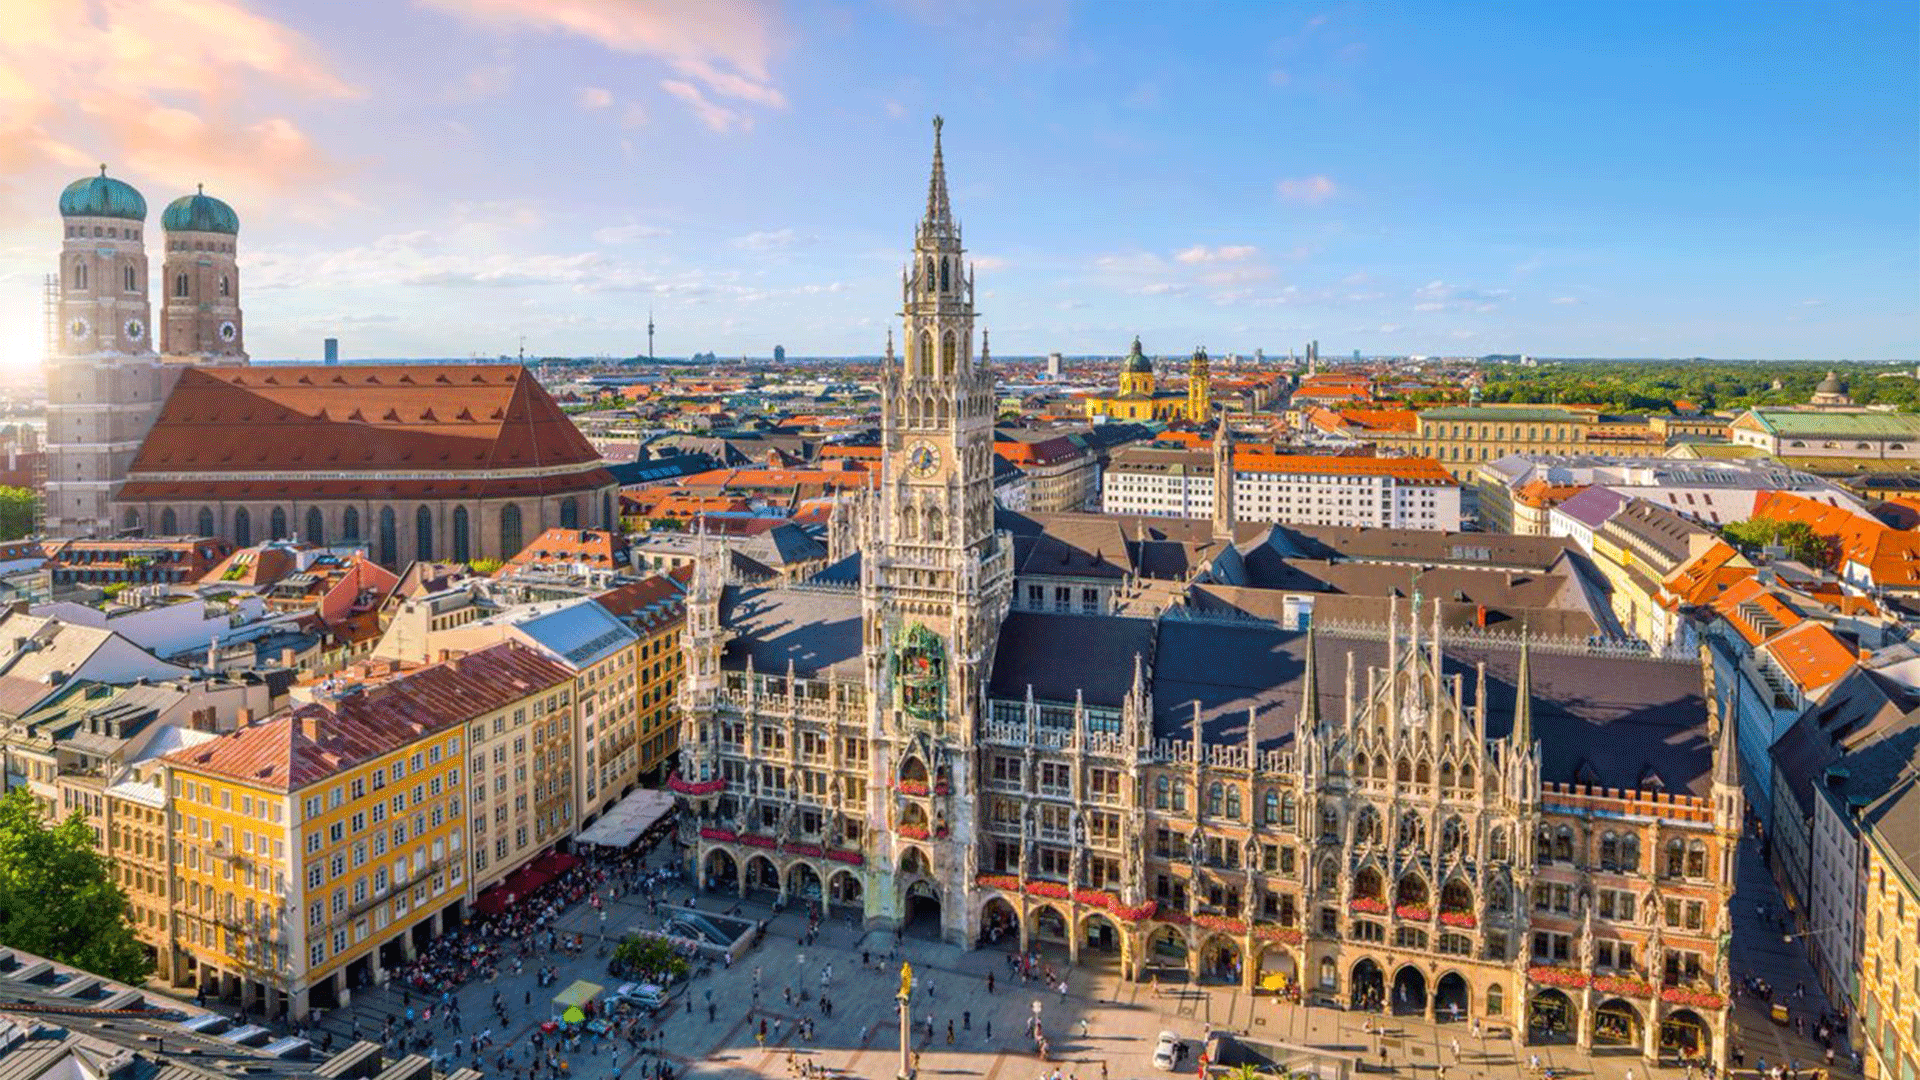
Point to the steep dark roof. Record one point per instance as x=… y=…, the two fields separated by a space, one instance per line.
x=1059 y=655
x=817 y=629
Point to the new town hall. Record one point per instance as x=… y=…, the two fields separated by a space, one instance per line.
x=1533 y=833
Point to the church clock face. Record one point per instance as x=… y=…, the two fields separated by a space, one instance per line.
x=923 y=459
x=78 y=329
x=135 y=329
x=228 y=331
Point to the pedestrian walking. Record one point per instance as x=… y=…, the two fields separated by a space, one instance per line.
x=966 y=1019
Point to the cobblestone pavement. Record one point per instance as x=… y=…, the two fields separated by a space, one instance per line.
x=1122 y=1019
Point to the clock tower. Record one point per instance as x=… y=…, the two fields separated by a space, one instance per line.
x=937 y=580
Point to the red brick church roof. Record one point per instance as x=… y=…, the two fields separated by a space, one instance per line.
x=354 y=420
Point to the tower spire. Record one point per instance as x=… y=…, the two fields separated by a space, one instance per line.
x=1522 y=736
x=939 y=212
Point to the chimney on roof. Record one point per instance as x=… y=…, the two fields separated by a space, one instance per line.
x=243 y=717
x=310 y=725
x=287 y=657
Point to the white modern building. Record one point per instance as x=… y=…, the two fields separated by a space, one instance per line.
x=1713 y=493
x=1388 y=493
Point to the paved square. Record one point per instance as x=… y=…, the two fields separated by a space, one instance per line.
x=1101 y=1026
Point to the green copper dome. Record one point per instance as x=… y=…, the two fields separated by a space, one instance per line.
x=1136 y=360
x=102 y=196
x=199 y=212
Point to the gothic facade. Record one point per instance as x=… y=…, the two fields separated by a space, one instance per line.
x=1535 y=834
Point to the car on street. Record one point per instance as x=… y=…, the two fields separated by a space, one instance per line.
x=647 y=997
x=1166 y=1051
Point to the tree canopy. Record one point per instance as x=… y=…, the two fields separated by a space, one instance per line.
x=1653 y=386
x=17 y=507
x=1797 y=537
x=58 y=898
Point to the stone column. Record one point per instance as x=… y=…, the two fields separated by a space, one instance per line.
x=1650 y=1032
x=906 y=1038
x=1583 y=1019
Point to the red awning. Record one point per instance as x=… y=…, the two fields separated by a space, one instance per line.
x=555 y=863
x=516 y=888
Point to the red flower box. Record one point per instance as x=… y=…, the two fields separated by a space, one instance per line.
x=913 y=832
x=1415 y=912
x=1462 y=919
x=852 y=858
x=1221 y=923
x=716 y=834
x=1006 y=882
x=801 y=849
x=1549 y=975
x=1368 y=906
x=1613 y=984
x=1174 y=918
x=1699 y=999
x=1286 y=935
x=683 y=786
x=1052 y=890
x=912 y=787
x=760 y=841
x=941 y=789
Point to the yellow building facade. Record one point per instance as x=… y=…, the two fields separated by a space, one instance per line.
x=1463 y=436
x=1889 y=1023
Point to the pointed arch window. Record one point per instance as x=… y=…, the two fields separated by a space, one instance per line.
x=423 y=534
x=569 y=514
x=948 y=346
x=388 y=537
x=350 y=525
x=944 y=284
x=1162 y=793
x=924 y=363
x=79 y=275
x=510 y=531
x=1216 y=793
x=1270 y=809
x=169 y=522
x=180 y=285
x=929 y=278
x=277 y=524
x=206 y=522
x=1233 y=803
x=242 y=528
x=462 y=547
x=129 y=279
x=316 y=526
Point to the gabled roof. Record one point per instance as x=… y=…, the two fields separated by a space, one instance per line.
x=1709 y=574
x=1891 y=557
x=1592 y=507
x=1811 y=656
x=413 y=418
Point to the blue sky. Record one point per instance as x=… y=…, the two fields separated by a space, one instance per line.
x=442 y=177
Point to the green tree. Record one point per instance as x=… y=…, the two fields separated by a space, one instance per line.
x=58 y=898
x=17 y=506
x=1799 y=539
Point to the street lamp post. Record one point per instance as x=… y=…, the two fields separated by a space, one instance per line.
x=906 y=1021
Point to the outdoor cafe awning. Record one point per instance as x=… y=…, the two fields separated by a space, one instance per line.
x=577 y=995
x=517 y=887
x=629 y=819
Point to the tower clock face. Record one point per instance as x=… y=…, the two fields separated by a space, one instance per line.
x=78 y=329
x=923 y=459
x=135 y=329
x=228 y=331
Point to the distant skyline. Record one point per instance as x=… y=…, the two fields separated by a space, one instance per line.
x=442 y=177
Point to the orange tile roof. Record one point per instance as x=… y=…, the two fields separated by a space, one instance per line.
x=1708 y=575
x=1754 y=611
x=1891 y=556
x=1383 y=419
x=1811 y=655
x=1546 y=495
x=316 y=741
x=593 y=547
x=648 y=605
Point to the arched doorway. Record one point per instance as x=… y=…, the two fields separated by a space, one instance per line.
x=998 y=922
x=1049 y=926
x=1617 y=1023
x=1685 y=1035
x=844 y=890
x=1220 y=961
x=1452 y=999
x=922 y=910
x=1278 y=974
x=1099 y=936
x=720 y=871
x=803 y=882
x=762 y=874
x=914 y=861
x=1366 y=985
x=1409 y=991
x=1549 y=1018
x=1167 y=951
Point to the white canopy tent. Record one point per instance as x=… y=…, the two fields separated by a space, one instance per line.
x=629 y=819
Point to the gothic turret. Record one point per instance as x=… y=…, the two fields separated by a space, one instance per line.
x=1224 y=481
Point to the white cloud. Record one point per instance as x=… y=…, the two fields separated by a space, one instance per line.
x=593 y=97
x=773 y=240
x=1200 y=253
x=1437 y=295
x=1310 y=190
x=715 y=116
x=989 y=263
x=724 y=47
x=1164 y=288
x=1813 y=303
x=1565 y=300
x=627 y=234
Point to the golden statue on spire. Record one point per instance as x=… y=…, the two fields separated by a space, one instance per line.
x=906 y=981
